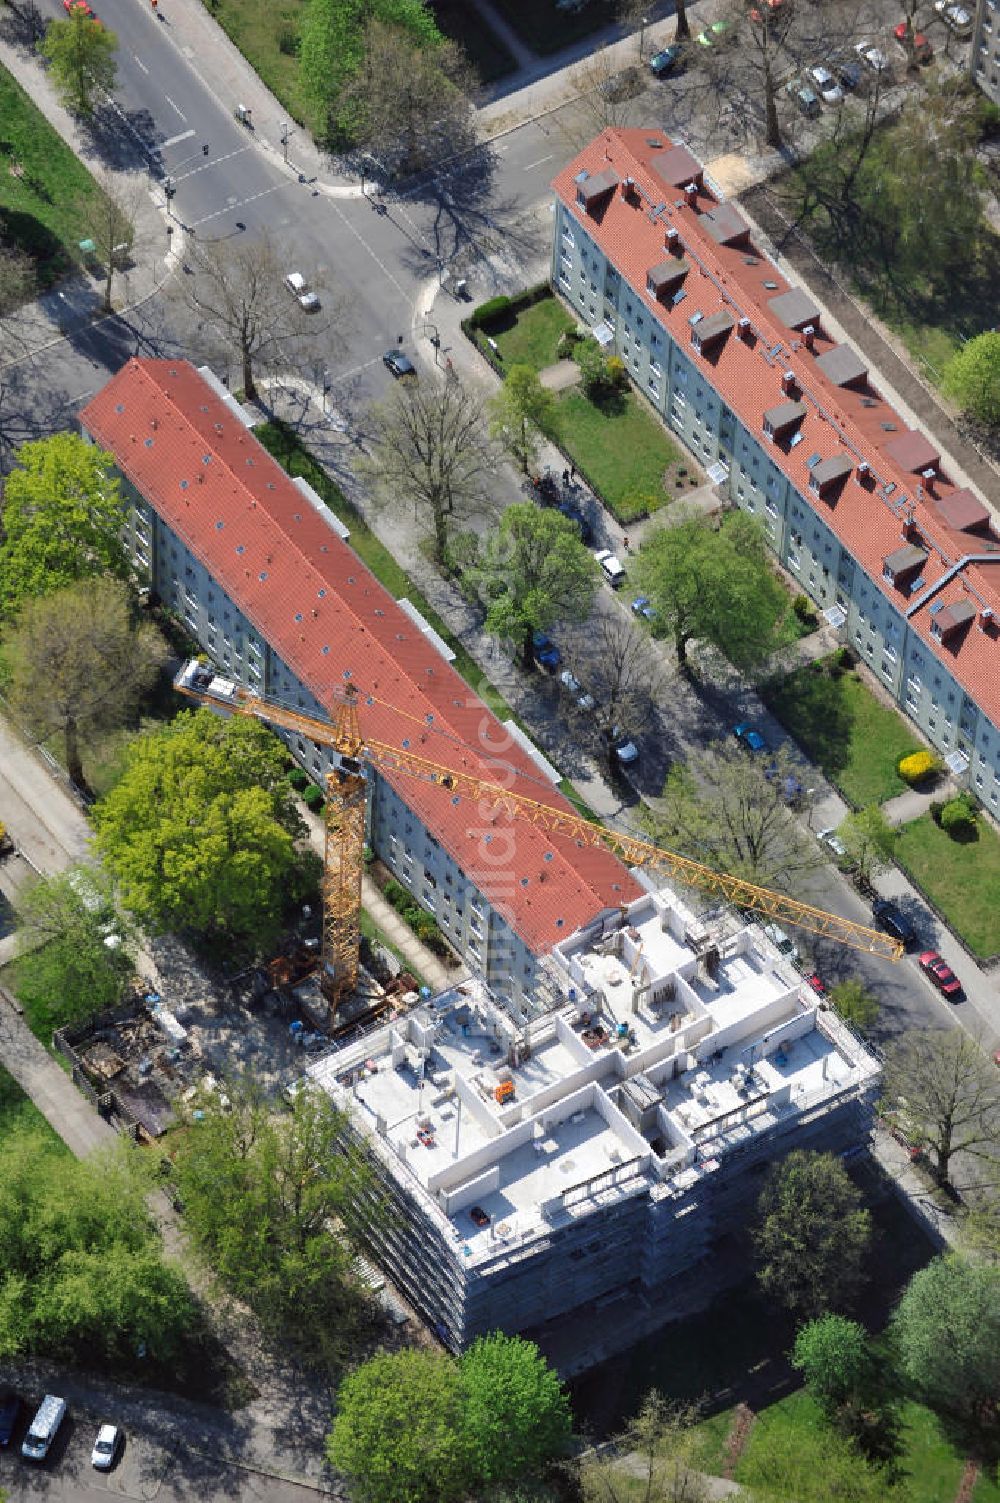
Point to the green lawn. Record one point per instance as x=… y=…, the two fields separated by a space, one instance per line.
x=841 y=726
x=39 y=204
x=530 y=336
x=267 y=33
x=19 y=1113
x=621 y=449
x=962 y=879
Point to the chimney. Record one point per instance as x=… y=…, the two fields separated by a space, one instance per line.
x=743 y=328
x=863 y=467
x=809 y=335
x=787 y=380
x=154 y=423
x=691 y=194
x=672 y=239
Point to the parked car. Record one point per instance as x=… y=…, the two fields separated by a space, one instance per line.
x=570 y=681
x=940 y=974
x=547 y=654
x=922 y=49
x=889 y=918
x=398 y=364
x=299 y=288
x=828 y=88
x=955 y=17
x=817 y=983
x=791 y=787
x=627 y=752
x=10 y=1408
x=782 y=941
x=751 y=740
x=568 y=510
x=106 y=1447
x=613 y=568
x=44 y=1427
x=873 y=57
x=665 y=61
x=803 y=97
x=643 y=606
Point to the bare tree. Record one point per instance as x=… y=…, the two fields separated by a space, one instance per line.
x=951 y=1090
x=621 y=673
x=238 y=290
x=108 y=219
x=432 y=448
x=604 y=96
x=653 y=1460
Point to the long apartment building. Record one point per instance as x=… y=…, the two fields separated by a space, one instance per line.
x=984 y=55
x=263 y=576
x=527 y=1170
x=857 y=505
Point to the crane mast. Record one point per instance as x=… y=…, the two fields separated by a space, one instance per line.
x=345 y=829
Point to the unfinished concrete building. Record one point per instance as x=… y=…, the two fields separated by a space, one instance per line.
x=536 y=1168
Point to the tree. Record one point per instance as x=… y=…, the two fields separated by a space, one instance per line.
x=515 y=1411
x=108 y=217
x=80 y=52
x=714 y=584
x=431 y=447
x=496 y=1414
x=621 y=673
x=952 y=1094
x=534 y=572
x=269 y=1196
x=66 y=967
x=869 y=840
x=62 y=517
x=653 y=1460
x=522 y=411
x=729 y=810
x=835 y=1357
x=409 y=102
x=238 y=290
x=811 y=1236
x=398 y=1431
x=855 y=1004
x=972 y=377
x=201 y=831
x=332 y=46
x=17 y=277
x=80 y=664
x=81 y=1269
x=604 y=95
x=946 y=1334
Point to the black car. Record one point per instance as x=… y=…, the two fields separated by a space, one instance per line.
x=889 y=918
x=398 y=363
x=10 y=1408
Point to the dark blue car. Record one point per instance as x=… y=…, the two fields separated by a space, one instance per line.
x=749 y=739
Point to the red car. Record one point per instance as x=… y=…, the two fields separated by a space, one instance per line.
x=940 y=974
x=817 y=983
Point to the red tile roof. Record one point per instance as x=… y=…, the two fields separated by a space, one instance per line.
x=871 y=510
x=330 y=620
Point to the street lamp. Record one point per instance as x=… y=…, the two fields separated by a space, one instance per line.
x=170 y=238
x=326 y=388
x=435 y=338
x=643 y=23
x=283 y=127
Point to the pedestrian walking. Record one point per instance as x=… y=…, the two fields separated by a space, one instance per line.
x=572 y=472
x=625 y=544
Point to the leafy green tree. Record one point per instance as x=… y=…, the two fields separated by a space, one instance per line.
x=515 y=1412
x=855 y=1004
x=660 y=1445
x=946 y=1334
x=80 y=664
x=972 y=377
x=17 y=277
x=522 y=411
x=62 y=517
x=201 y=831
x=81 y=1272
x=835 y=1357
x=870 y=840
x=729 y=810
x=716 y=585
x=77 y=953
x=811 y=1235
x=952 y=1093
x=432 y=451
x=262 y=1190
x=398 y=1432
x=332 y=46
x=534 y=572
x=81 y=56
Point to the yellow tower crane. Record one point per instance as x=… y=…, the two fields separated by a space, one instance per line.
x=345 y=829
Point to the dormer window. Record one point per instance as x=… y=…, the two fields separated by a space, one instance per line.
x=707 y=332
x=904 y=561
x=780 y=421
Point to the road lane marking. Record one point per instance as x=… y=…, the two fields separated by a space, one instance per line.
x=141 y=64
x=541 y=161
x=185 y=135
x=239 y=204
x=175 y=106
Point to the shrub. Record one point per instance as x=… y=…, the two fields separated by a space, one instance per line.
x=917 y=766
x=803 y=608
x=488 y=311
x=567 y=342
x=297 y=778
x=312 y=797
x=958 y=817
x=615 y=371
x=595 y=379
x=937 y=804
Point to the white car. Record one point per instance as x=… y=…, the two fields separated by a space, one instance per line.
x=872 y=57
x=782 y=942
x=832 y=841
x=570 y=681
x=955 y=17
x=627 y=752
x=614 y=570
x=299 y=288
x=106 y=1447
x=827 y=87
